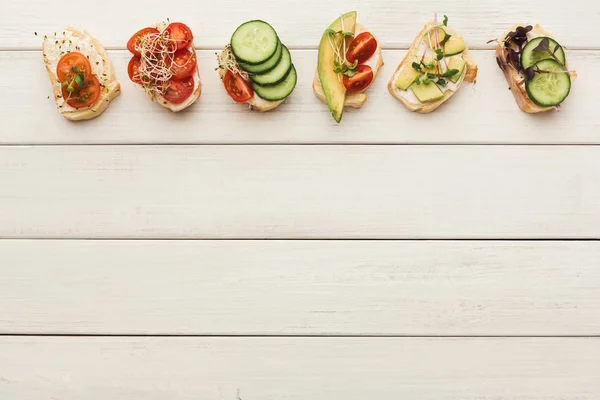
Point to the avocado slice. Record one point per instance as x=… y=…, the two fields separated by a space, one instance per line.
x=427 y=92
x=459 y=64
x=407 y=77
x=333 y=86
x=454 y=45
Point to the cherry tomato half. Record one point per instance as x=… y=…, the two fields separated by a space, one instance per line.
x=82 y=96
x=179 y=91
x=73 y=64
x=360 y=81
x=361 y=48
x=237 y=87
x=181 y=33
x=134 y=43
x=133 y=68
x=183 y=64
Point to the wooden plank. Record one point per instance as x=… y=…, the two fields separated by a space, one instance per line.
x=395 y=22
x=299 y=368
x=297 y=192
x=293 y=288
x=484 y=113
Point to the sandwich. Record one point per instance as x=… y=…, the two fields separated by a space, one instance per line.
x=435 y=67
x=535 y=67
x=165 y=66
x=82 y=75
x=256 y=67
x=349 y=59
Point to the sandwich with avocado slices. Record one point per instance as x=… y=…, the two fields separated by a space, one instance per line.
x=535 y=67
x=256 y=67
x=435 y=67
x=349 y=59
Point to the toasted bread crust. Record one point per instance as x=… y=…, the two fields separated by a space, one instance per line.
x=354 y=100
x=109 y=86
x=515 y=80
x=268 y=106
x=425 y=108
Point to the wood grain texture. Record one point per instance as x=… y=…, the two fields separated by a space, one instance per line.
x=394 y=22
x=483 y=113
x=298 y=368
x=299 y=288
x=292 y=192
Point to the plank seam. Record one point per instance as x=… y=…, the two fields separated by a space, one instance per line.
x=303 y=336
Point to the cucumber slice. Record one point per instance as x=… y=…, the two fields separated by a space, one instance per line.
x=267 y=65
x=277 y=74
x=254 y=42
x=530 y=57
x=549 y=89
x=280 y=91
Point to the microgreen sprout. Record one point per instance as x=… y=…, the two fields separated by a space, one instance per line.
x=337 y=41
x=515 y=42
x=227 y=61
x=431 y=69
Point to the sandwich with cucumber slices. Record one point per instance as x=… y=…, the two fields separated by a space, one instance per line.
x=349 y=59
x=256 y=67
x=535 y=67
x=435 y=67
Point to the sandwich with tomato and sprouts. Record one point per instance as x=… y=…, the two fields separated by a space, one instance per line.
x=82 y=75
x=164 y=65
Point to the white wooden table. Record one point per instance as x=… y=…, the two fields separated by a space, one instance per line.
x=222 y=253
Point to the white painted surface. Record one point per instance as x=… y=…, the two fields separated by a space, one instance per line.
x=299 y=368
x=481 y=113
x=295 y=287
x=274 y=192
x=302 y=24
x=261 y=191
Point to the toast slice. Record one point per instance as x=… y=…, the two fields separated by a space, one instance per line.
x=356 y=99
x=154 y=96
x=515 y=80
x=72 y=39
x=469 y=75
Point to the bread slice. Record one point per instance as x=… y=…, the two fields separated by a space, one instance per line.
x=515 y=81
x=356 y=99
x=424 y=108
x=193 y=97
x=110 y=88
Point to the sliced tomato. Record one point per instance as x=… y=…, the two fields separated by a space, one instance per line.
x=73 y=64
x=181 y=33
x=361 y=80
x=133 y=68
x=135 y=42
x=237 y=87
x=361 y=48
x=179 y=91
x=183 y=63
x=79 y=97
